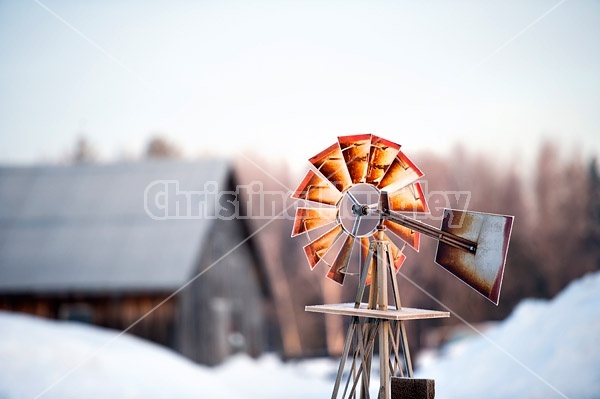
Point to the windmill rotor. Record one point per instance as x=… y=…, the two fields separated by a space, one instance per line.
x=364 y=181
x=348 y=175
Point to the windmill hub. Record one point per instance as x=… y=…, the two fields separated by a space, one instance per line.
x=359 y=210
x=353 y=210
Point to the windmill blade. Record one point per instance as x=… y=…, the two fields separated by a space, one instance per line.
x=317 y=249
x=484 y=269
x=409 y=199
x=311 y=218
x=337 y=272
x=330 y=162
x=401 y=173
x=381 y=157
x=315 y=188
x=407 y=235
x=398 y=256
x=356 y=150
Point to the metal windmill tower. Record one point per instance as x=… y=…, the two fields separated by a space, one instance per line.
x=358 y=190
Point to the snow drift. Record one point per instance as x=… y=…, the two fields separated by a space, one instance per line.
x=544 y=349
x=49 y=359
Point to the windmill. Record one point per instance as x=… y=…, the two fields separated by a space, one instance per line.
x=361 y=192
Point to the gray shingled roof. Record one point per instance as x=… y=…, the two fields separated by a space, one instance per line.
x=84 y=227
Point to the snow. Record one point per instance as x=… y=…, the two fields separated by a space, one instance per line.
x=545 y=349
x=37 y=353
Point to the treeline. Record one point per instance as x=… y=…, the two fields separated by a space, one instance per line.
x=555 y=239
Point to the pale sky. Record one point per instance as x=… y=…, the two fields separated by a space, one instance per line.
x=280 y=78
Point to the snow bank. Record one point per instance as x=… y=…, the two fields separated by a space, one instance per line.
x=37 y=353
x=545 y=349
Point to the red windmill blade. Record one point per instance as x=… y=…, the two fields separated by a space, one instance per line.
x=317 y=189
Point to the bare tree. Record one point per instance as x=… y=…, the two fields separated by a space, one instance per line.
x=160 y=147
x=592 y=236
x=84 y=152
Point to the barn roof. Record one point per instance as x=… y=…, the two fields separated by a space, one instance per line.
x=85 y=227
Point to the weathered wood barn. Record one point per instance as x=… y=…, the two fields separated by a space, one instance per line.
x=153 y=244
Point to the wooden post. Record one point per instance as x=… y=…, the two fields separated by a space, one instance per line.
x=413 y=388
x=382 y=304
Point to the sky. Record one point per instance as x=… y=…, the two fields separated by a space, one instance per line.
x=283 y=79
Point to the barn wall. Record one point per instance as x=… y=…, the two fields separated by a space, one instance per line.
x=223 y=311
x=111 y=311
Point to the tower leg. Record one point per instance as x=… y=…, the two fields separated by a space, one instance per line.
x=405 y=349
x=384 y=361
x=382 y=304
x=345 y=352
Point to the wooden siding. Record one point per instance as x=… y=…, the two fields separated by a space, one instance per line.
x=223 y=310
x=111 y=311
